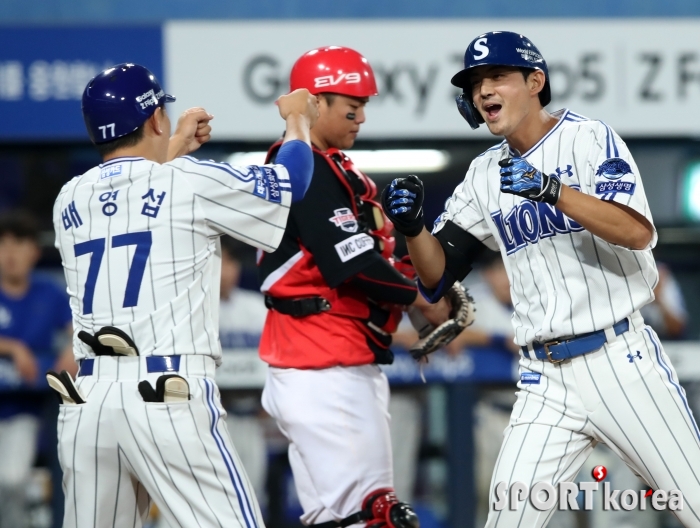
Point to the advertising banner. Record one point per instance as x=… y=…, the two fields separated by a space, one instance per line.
x=642 y=77
x=44 y=70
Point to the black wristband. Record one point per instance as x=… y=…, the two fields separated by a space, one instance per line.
x=409 y=229
x=551 y=192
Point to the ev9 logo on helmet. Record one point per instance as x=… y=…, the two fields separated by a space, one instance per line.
x=480 y=46
x=329 y=80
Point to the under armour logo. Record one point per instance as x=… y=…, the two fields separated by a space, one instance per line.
x=632 y=358
x=565 y=172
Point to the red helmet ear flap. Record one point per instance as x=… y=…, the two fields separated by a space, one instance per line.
x=334 y=69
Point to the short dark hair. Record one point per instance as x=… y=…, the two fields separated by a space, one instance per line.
x=329 y=97
x=526 y=72
x=130 y=140
x=20 y=224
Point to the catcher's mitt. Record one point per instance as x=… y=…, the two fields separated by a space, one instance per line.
x=432 y=338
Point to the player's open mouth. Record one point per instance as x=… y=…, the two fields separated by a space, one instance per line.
x=492 y=110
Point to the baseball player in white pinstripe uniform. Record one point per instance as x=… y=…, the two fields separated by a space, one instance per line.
x=562 y=200
x=139 y=239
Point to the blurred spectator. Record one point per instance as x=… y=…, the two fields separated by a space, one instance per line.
x=33 y=310
x=666 y=314
x=242 y=316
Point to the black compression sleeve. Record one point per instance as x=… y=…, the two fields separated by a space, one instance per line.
x=383 y=284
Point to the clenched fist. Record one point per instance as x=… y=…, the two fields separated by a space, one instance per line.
x=299 y=102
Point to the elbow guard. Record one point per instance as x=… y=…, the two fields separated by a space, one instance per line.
x=461 y=250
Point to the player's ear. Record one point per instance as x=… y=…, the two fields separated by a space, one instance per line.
x=157 y=122
x=535 y=81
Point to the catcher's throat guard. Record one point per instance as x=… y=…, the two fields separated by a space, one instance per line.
x=431 y=338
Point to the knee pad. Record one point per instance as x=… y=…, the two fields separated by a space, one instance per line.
x=383 y=510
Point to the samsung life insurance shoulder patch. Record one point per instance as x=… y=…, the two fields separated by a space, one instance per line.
x=344 y=219
x=614 y=171
x=354 y=246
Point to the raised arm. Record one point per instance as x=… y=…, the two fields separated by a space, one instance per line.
x=300 y=110
x=439 y=259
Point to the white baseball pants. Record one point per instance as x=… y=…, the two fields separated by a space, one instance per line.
x=337 y=423
x=118 y=453
x=626 y=395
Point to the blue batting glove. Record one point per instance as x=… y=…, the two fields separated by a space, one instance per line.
x=522 y=179
x=402 y=201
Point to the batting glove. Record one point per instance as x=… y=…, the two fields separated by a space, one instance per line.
x=402 y=201
x=520 y=178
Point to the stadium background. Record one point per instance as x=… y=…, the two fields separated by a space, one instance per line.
x=634 y=64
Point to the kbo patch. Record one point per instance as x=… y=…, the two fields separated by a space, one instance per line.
x=345 y=220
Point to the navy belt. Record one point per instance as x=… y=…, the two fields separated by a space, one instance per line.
x=557 y=351
x=153 y=364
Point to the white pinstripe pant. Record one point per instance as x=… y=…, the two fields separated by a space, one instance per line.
x=634 y=405
x=118 y=453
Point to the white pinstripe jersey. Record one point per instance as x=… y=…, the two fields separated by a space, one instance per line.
x=564 y=280
x=140 y=249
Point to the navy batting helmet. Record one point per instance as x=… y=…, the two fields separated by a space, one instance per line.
x=497 y=48
x=119 y=100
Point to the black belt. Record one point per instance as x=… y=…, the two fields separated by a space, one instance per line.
x=298 y=307
x=557 y=351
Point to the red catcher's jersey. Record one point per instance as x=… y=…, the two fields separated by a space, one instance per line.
x=323 y=246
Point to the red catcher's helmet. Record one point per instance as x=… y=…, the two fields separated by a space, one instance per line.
x=334 y=69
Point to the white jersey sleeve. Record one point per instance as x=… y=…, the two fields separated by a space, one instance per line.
x=613 y=174
x=249 y=203
x=463 y=208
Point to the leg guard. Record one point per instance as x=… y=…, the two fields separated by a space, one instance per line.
x=385 y=511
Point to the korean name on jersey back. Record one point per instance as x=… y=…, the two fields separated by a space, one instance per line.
x=528 y=222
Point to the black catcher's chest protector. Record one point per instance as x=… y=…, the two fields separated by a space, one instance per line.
x=362 y=191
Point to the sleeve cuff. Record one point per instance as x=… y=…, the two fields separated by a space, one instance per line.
x=432 y=295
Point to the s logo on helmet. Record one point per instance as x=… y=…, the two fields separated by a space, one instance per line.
x=480 y=46
x=330 y=80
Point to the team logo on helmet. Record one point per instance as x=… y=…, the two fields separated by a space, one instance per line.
x=345 y=220
x=482 y=49
x=614 y=168
x=330 y=80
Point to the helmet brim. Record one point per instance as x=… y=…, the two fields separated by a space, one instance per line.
x=461 y=79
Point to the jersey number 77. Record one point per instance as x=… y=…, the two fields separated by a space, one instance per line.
x=96 y=248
